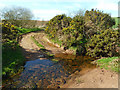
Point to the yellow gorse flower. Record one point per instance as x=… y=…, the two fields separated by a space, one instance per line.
x=12 y=25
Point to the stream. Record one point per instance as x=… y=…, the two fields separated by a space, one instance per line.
x=49 y=73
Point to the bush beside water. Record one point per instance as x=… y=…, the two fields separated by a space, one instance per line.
x=12 y=57
x=91 y=33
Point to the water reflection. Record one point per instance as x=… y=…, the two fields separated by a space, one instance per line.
x=40 y=73
x=47 y=73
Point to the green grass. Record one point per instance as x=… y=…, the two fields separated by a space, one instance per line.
x=117 y=21
x=49 y=54
x=25 y=30
x=12 y=60
x=37 y=43
x=55 y=40
x=73 y=48
x=118 y=45
x=109 y=63
x=55 y=60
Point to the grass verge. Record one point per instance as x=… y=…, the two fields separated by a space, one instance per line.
x=37 y=43
x=116 y=22
x=43 y=50
x=12 y=60
x=73 y=48
x=26 y=30
x=110 y=63
x=57 y=41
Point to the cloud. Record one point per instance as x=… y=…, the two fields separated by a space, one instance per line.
x=46 y=9
x=2 y=5
x=46 y=14
x=73 y=5
x=107 y=5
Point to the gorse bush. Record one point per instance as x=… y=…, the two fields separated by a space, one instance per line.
x=56 y=24
x=103 y=20
x=69 y=31
x=12 y=57
x=9 y=34
x=95 y=21
x=90 y=27
x=103 y=44
x=74 y=35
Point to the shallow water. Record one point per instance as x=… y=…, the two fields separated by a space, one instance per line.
x=47 y=73
x=41 y=70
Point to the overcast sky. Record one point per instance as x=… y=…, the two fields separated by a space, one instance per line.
x=47 y=9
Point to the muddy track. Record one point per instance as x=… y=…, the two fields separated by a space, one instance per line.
x=32 y=51
x=96 y=78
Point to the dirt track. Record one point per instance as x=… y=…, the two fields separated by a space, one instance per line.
x=32 y=51
x=96 y=78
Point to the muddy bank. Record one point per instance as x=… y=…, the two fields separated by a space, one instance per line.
x=96 y=78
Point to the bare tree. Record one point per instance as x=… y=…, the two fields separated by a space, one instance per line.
x=17 y=15
x=74 y=13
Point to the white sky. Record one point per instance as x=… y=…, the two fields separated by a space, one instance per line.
x=47 y=9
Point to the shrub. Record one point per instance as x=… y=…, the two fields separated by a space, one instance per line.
x=56 y=24
x=103 y=44
x=12 y=57
x=95 y=21
x=9 y=34
x=77 y=31
x=73 y=35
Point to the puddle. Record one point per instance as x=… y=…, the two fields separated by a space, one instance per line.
x=46 y=73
